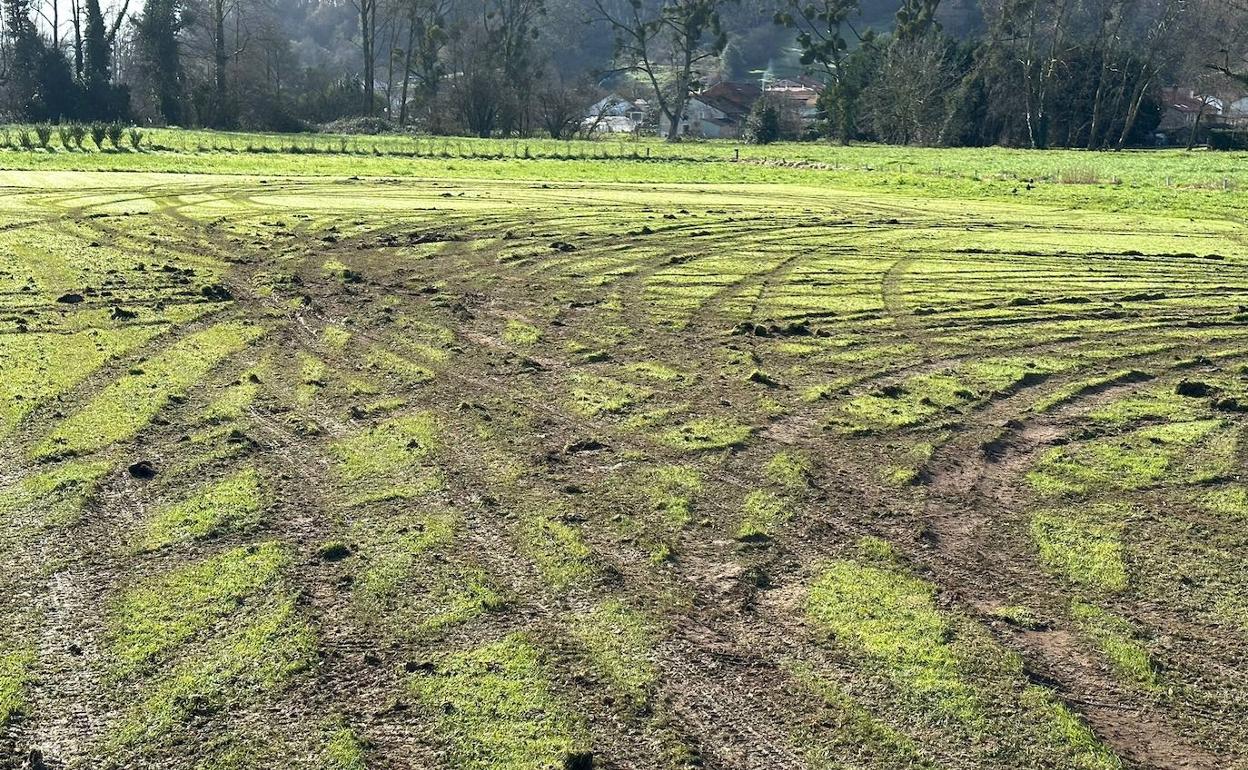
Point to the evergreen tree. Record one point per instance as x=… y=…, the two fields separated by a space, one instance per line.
x=157 y=37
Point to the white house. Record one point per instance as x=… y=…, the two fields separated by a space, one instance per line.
x=613 y=114
x=717 y=112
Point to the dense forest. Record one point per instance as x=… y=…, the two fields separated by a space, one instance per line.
x=1035 y=73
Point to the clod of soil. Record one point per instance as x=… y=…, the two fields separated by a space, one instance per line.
x=584 y=445
x=1193 y=389
x=579 y=760
x=143 y=469
x=335 y=551
x=762 y=378
x=217 y=293
x=69 y=299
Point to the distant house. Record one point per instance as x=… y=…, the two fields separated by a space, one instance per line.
x=717 y=112
x=1183 y=108
x=800 y=95
x=1236 y=112
x=613 y=114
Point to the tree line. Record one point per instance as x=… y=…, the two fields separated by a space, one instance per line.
x=1033 y=73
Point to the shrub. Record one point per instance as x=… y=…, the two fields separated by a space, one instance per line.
x=78 y=132
x=24 y=139
x=98 y=132
x=136 y=137
x=65 y=134
x=115 y=132
x=43 y=133
x=763 y=124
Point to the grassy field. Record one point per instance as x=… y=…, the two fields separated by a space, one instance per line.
x=802 y=457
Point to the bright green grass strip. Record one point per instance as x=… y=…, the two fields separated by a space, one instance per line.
x=655 y=370
x=892 y=618
x=150 y=621
x=266 y=648
x=671 y=489
x=313 y=373
x=343 y=750
x=231 y=504
x=385 y=461
x=39 y=367
x=919 y=399
x=788 y=469
x=123 y=408
x=619 y=643
x=763 y=512
x=1083 y=545
x=335 y=338
x=558 y=548
x=1133 y=461
x=393 y=548
x=383 y=360
x=495 y=708
x=1231 y=502
x=1159 y=404
x=847 y=728
x=56 y=495
x=15 y=667
x=231 y=404
x=706 y=433
x=520 y=333
x=593 y=396
x=1116 y=639
x=1068 y=393
x=1064 y=727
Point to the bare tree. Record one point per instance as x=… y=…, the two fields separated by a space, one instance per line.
x=823 y=32
x=675 y=35
x=561 y=107
x=906 y=99
x=1160 y=46
x=366 y=13
x=429 y=30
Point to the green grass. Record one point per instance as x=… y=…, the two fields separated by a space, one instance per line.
x=125 y=407
x=892 y=619
x=762 y=512
x=232 y=504
x=1230 y=501
x=1062 y=726
x=344 y=751
x=1133 y=461
x=557 y=547
x=1118 y=641
x=40 y=367
x=1074 y=390
x=390 y=460
x=495 y=708
x=389 y=363
x=847 y=728
x=15 y=674
x=56 y=495
x=407 y=582
x=790 y=470
x=706 y=434
x=619 y=642
x=150 y=621
x=232 y=403
x=671 y=491
x=247 y=660
x=521 y=333
x=1083 y=544
x=1159 y=404
x=593 y=396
